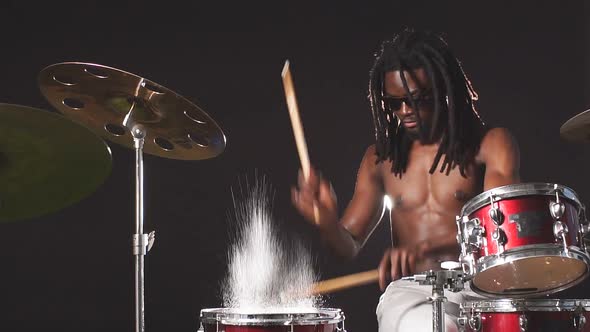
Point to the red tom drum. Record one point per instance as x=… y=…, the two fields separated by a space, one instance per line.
x=519 y=315
x=523 y=240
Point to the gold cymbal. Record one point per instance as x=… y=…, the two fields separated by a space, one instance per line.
x=47 y=162
x=106 y=100
x=577 y=128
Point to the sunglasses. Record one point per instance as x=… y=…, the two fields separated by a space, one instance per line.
x=395 y=103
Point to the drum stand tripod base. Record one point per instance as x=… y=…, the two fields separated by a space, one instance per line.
x=438 y=300
x=452 y=280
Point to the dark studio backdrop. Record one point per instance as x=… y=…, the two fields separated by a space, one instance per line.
x=73 y=270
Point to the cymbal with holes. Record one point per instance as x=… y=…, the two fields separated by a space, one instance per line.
x=47 y=162
x=106 y=100
x=577 y=128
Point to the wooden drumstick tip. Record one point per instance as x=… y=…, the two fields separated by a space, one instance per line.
x=316 y=214
x=285 y=68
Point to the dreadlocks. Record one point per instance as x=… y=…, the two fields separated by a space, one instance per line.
x=453 y=98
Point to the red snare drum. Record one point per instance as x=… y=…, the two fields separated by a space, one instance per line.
x=232 y=320
x=523 y=239
x=518 y=315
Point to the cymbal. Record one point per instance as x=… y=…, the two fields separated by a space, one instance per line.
x=106 y=100
x=47 y=162
x=577 y=128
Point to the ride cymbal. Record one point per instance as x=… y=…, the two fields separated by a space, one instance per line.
x=47 y=162
x=106 y=100
x=577 y=128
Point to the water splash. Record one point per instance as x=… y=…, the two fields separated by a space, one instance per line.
x=266 y=273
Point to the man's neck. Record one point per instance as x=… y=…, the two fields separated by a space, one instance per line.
x=418 y=143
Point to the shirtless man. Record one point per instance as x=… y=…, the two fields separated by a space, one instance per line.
x=432 y=154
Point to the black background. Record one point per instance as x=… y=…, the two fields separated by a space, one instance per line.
x=73 y=270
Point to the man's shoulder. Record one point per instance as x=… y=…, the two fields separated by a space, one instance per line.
x=371 y=159
x=371 y=155
x=496 y=135
x=497 y=140
x=371 y=150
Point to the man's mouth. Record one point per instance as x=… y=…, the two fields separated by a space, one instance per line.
x=410 y=123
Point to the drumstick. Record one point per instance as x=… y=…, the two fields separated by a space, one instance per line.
x=297 y=127
x=295 y=120
x=340 y=283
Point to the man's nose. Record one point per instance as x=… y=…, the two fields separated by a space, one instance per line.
x=405 y=108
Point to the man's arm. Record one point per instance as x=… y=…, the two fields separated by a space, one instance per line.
x=347 y=235
x=500 y=153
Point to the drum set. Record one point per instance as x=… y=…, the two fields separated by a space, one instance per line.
x=519 y=244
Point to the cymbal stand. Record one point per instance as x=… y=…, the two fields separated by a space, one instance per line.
x=449 y=279
x=142 y=243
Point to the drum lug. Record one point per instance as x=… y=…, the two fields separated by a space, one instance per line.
x=497 y=216
x=470 y=238
x=468 y=264
x=460 y=239
x=341 y=328
x=475 y=321
x=579 y=318
x=584 y=224
x=475 y=232
x=499 y=236
x=560 y=230
x=523 y=322
x=462 y=322
x=557 y=209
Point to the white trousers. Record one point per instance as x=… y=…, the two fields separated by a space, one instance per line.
x=404 y=306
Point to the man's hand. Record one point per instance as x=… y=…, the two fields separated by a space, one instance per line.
x=399 y=262
x=315 y=199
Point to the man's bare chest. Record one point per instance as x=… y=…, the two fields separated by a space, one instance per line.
x=418 y=188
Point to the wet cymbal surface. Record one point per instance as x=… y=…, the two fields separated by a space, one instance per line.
x=109 y=101
x=577 y=128
x=47 y=162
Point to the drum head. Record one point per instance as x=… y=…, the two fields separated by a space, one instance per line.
x=530 y=272
x=232 y=316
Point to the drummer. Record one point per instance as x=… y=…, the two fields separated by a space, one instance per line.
x=432 y=154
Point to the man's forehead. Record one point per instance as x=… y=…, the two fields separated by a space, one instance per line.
x=415 y=78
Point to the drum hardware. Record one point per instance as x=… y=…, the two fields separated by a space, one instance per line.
x=584 y=228
x=579 y=319
x=523 y=322
x=474 y=321
x=137 y=113
x=497 y=218
x=475 y=232
x=48 y=160
x=556 y=209
x=495 y=214
x=450 y=279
